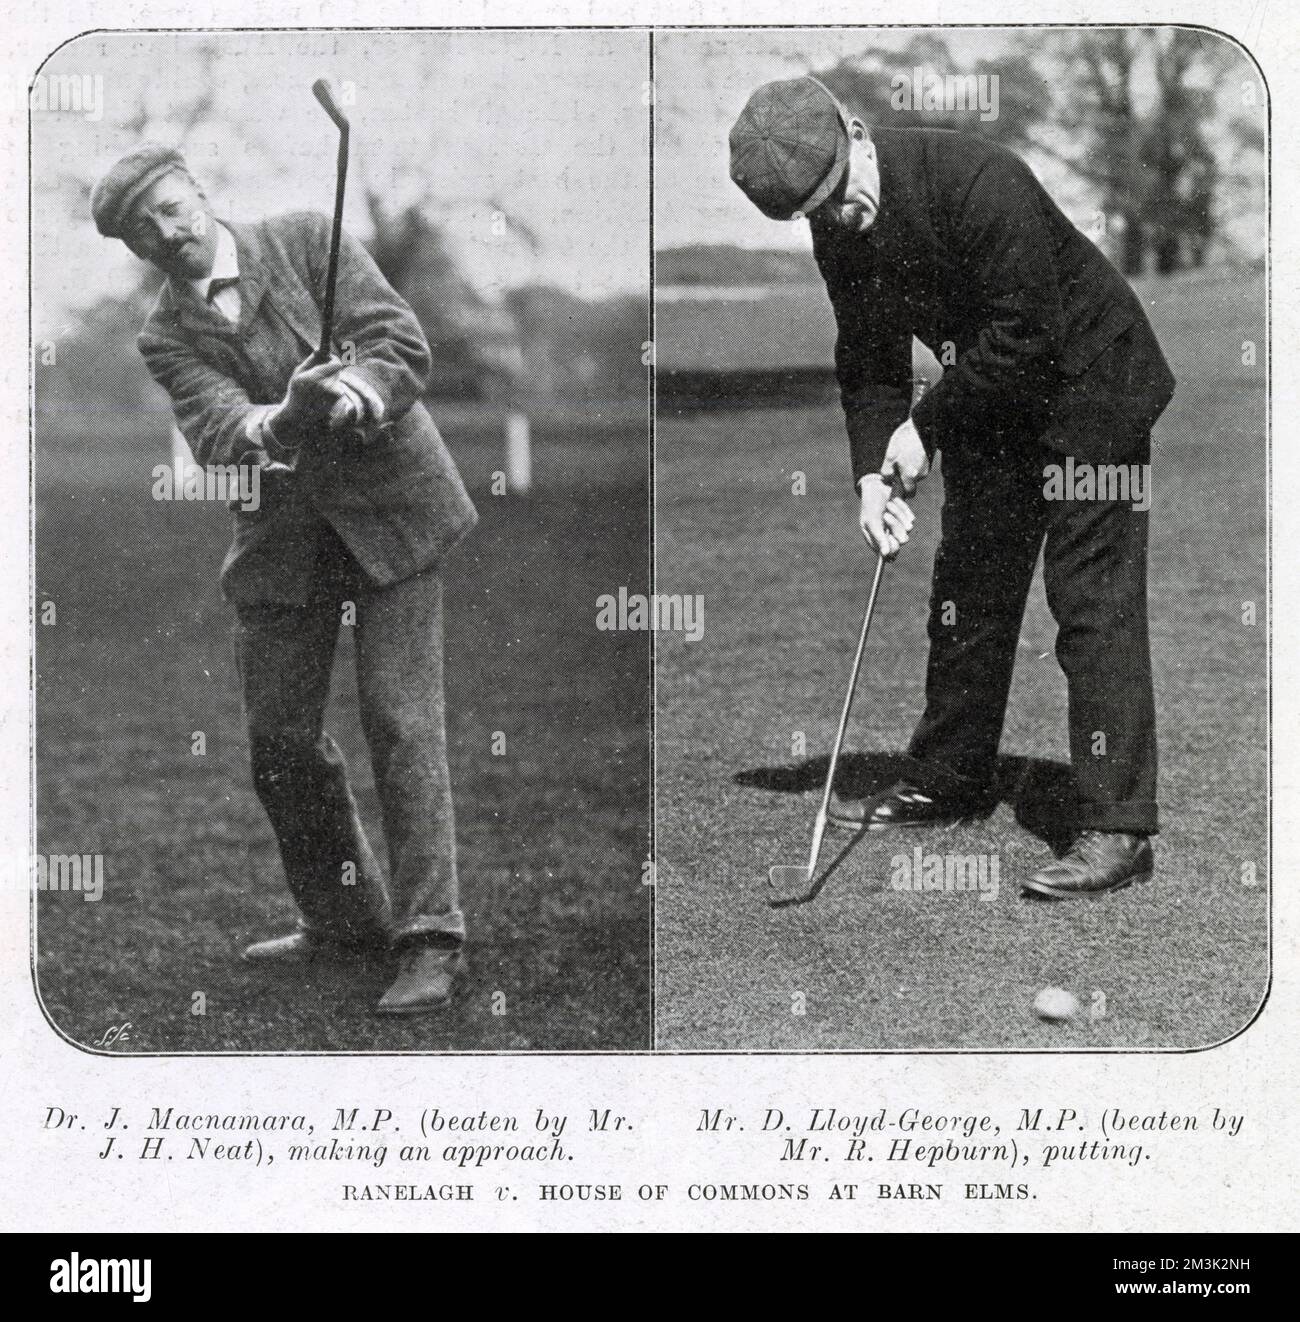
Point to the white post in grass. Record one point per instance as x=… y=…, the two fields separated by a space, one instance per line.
x=519 y=454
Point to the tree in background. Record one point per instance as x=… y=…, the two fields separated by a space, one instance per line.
x=1144 y=116
x=475 y=346
x=575 y=349
x=870 y=82
x=1135 y=125
x=1158 y=121
x=91 y=369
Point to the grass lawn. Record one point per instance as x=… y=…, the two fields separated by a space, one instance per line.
x=552 y=835
x=1180 y=963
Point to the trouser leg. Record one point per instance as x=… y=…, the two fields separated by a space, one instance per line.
x=286 y=655
x=400 y=687
x=1095 y=573
x=992 y=528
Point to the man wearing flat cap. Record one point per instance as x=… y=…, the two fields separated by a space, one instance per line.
x=1049 y=358
x=360 y=502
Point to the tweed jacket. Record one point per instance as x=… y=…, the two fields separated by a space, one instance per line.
x=1038 y=334
x=392 y=492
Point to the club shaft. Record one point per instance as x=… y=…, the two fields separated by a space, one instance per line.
x=824 y=810
x=336 y=239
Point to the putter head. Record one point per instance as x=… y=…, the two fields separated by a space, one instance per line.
x=786 y=876
x=789 y=884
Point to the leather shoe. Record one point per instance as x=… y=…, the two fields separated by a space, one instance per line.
x=296 y=948
x=904 y=804
x=301 y=948
x=425 y=980
x=1098 y=862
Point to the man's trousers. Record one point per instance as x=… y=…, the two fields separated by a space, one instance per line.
x=995 y=521
x=286 y=656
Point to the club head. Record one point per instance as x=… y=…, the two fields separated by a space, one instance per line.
x=786 y=876
x=323 y=93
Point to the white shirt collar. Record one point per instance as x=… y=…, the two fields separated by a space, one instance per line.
x=225 y=265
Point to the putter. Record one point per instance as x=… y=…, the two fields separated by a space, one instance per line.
x=324 y=94
x=784 y=876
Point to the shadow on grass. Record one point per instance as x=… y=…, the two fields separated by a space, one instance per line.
x=1039 y=792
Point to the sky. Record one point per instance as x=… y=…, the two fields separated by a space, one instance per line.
x=548 y=129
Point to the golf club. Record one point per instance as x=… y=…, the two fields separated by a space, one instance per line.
x=324 y=94
x=782 y=876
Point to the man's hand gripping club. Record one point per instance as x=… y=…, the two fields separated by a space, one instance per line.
x=315 y=399
x=884 y=516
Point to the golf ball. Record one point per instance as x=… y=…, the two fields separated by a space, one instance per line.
x=1055 y=1003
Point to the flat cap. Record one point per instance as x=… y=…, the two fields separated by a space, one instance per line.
x=790 y=147
x=112 y=197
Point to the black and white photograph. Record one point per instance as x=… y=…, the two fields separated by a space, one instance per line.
x=648 y=619
x=935 y=308
x=362 y=771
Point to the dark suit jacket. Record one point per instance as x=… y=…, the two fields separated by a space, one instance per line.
x=969 y=250
x=395 y=498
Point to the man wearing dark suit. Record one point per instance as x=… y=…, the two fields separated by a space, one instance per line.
x=1049 y=356
x=359 y=504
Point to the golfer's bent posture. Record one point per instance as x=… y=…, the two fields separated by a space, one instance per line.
x=359 y=503
x=1050 y=357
